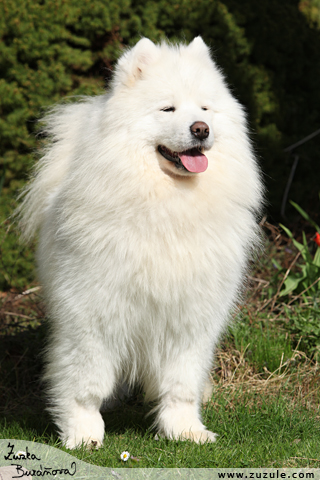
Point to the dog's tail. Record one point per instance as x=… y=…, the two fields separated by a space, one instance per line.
x=59 y=129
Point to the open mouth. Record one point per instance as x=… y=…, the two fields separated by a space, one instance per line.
x=192 y=160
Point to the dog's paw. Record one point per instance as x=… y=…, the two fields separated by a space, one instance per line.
x=88 y=444
x=84 y=429
x=201 y=436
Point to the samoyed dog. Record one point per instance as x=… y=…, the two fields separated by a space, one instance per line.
x=146 y=201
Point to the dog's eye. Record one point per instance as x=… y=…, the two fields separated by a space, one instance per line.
x=204 y=108
x=168 y=109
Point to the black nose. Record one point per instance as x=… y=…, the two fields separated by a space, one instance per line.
x=200 y=130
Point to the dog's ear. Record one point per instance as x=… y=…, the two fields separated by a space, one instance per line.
x=134 y=62
x=198 y=47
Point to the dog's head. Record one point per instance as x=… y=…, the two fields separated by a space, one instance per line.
x=171 y=94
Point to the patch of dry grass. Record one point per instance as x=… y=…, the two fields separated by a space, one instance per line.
x=298 y=378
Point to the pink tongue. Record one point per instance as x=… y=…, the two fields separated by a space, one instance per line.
x=194 y=161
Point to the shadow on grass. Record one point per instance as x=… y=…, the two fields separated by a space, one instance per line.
x=22 y=404
x=131 y=414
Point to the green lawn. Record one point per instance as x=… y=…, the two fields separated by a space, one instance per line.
x=265 y=406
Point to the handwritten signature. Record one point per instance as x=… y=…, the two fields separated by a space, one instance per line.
x=42 y=471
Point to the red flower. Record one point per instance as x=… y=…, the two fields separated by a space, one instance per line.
x=317 y=239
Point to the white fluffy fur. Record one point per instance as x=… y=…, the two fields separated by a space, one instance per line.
x=141 y=264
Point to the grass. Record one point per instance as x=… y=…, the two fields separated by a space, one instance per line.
x=265 y=406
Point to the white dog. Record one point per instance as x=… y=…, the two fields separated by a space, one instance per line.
x=146 y=201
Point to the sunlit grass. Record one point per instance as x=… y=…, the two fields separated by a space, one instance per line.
x=265 y=405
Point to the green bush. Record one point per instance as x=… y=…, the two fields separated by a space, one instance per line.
x=49 y=49
x=53 y=49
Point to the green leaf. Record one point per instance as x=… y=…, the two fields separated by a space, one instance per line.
x=288 y=232
x=308 y=255
x=291 y=284
x=316 y=259
x=277 y=264
x=305 y=215
x=297 y=244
